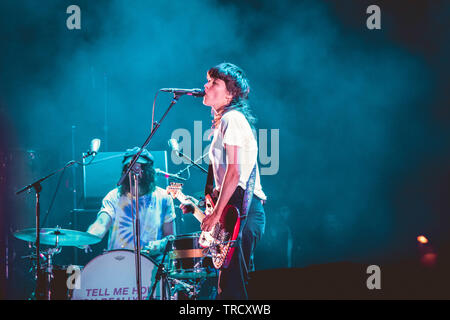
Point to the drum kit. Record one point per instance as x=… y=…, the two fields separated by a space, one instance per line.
x=117 y=274
x=111 y=275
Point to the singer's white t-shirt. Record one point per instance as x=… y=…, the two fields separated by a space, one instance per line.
x=235 y=130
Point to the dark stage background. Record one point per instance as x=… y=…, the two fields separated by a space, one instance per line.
x=356 y=163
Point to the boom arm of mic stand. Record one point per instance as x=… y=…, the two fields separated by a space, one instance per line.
x=193 y=163
x=37 y=182
x=158 y=124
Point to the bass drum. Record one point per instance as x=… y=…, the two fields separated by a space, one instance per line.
x=112 y=276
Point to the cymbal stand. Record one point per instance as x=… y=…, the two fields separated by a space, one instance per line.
x=50 y=253
x=43 y=287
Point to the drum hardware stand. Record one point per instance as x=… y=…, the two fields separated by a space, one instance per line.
x=38 y=188
x=192 y=290
x=43 y=290
x=49 y=253
x=161 y=273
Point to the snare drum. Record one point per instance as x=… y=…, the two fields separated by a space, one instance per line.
x=112 y=276
x=187 y=258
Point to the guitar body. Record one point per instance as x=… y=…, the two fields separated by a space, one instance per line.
x=220 y=239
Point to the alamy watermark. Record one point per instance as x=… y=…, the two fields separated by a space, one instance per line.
x=374 y=280
x=374 y=20
x=200 y=143
x=74 y=277
x=74 y=20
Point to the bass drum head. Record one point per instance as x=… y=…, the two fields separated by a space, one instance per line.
x=112 y=276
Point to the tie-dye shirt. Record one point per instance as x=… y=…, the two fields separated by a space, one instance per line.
x=154 y=210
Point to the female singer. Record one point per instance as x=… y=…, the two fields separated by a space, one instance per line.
x=233 y=157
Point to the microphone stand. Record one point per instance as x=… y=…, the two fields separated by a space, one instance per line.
x=38 y=188
x=176 y=96
x=137 y=239
x=193 y=163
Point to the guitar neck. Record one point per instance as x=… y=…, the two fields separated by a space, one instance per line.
x=198 y=213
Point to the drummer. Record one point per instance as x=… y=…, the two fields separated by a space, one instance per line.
x=156 y=210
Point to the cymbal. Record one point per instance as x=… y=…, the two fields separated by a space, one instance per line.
x=58 y=237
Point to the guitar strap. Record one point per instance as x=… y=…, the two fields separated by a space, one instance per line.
x=248 y=194
x=209 y=187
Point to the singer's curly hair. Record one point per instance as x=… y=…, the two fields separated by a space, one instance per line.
x=238 y=85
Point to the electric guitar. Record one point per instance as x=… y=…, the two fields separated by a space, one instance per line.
x=221 y=237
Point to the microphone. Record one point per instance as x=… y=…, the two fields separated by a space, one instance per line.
x=173 y=143
x=95 y=145
x=169 y=175
x=190 y=92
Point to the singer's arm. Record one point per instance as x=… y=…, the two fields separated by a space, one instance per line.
x=229 y=185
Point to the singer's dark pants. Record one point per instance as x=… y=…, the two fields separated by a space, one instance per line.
x=234 y=279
